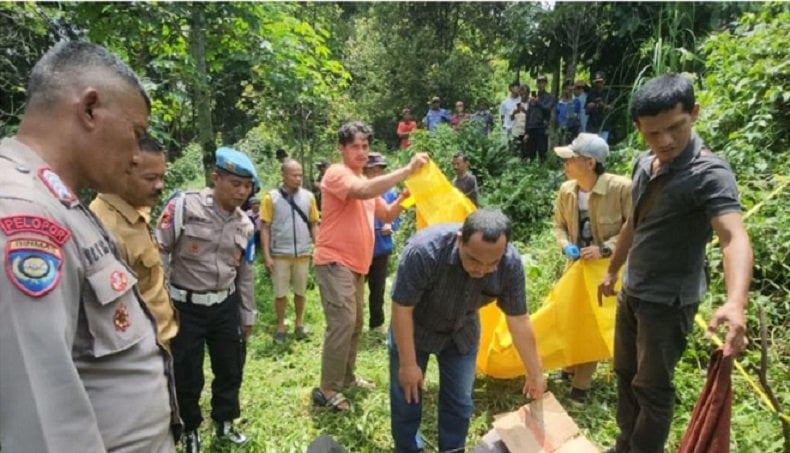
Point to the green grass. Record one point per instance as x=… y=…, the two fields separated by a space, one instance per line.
x=278 y=416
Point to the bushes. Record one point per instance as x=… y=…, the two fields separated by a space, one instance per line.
x=746 y=118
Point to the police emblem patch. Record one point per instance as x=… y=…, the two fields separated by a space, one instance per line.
x=121 y=318
x=33 y=265
x=119 y=281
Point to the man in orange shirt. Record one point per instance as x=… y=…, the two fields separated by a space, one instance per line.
x=343 y=253
x=405 y=128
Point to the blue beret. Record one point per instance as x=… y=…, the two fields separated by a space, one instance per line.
x=237 y=163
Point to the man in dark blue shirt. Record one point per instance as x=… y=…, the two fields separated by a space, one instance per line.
x=681 y=194
x=446 y=273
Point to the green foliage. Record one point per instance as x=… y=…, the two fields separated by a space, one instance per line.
x=625 y=39
x=262 y=60
x=744 y=117
x=402 y=54
x=24 y=38
x=185 y=172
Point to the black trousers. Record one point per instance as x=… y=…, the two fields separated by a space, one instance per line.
x=519 y=146
x=377 y=281
x=649 y=340
x=219 y=327
x=537 y=143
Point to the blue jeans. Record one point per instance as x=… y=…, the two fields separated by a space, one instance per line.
x=456 y=378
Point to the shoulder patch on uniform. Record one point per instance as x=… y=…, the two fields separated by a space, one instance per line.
x=35 y=224
x=57 y=186
x=166 y=219
x=33 y=265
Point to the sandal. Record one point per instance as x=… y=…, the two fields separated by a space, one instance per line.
x=360 y=383
x=338 y=402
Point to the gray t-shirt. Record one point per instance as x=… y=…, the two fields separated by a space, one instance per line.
x=666 y=262
x=445 y=298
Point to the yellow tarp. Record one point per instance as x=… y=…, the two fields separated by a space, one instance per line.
x=570 y=328
x=438 y=201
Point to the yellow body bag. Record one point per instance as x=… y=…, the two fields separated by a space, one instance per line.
x=570 y=328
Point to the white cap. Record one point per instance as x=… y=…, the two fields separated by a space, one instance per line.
x=585 y=145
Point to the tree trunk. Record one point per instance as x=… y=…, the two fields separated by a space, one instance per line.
x=201 y=100
x=570 y=71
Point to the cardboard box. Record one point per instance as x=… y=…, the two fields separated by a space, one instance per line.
x=542 y=426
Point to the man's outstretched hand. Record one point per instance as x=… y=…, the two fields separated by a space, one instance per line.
x=731 y=315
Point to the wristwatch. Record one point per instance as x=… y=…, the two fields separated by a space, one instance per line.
x=606 y=252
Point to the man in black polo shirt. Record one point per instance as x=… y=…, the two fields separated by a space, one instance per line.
x=541 y=104
x=446 y=273
x=681 y=193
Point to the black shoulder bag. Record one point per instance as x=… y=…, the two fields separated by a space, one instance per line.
x=296 y=208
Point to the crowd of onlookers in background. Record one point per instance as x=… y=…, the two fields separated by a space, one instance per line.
x=528 y=117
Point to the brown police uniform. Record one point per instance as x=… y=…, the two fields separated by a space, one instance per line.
x=80 y=369
x=211 y=285
x=137 y=247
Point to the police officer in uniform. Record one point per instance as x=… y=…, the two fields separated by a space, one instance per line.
x=202 y=237
x=80 y=367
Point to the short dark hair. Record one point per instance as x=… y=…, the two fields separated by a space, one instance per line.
x=68 y=62
x=599 y=168
x=348 y=131
x=662 y=93
x=491 y=223
x=513 y=84
x=150 y=145
x=461 y=155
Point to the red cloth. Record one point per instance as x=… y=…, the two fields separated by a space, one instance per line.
x=709 y=427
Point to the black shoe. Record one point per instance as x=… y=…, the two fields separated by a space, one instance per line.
x=226 y=433
x=579 y=397
x=301 y=333
x=191 y=442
